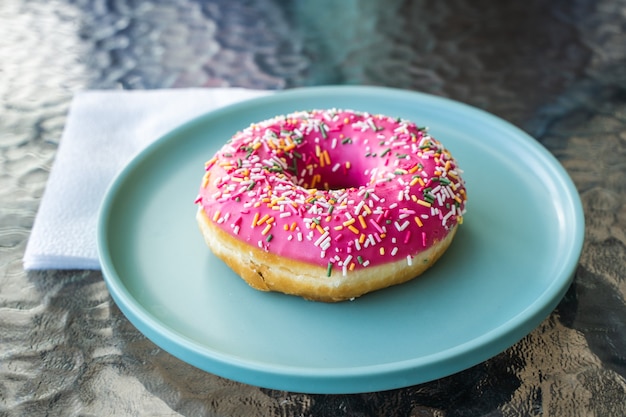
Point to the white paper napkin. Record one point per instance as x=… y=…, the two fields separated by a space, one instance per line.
x=104 y=130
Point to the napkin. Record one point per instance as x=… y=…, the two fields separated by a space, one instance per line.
x=104 y=131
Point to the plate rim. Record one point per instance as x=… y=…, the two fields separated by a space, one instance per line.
x=339 y=379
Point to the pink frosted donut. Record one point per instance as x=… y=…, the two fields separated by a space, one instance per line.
x=330 y=204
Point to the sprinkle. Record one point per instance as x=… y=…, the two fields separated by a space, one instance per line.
x=394 y=251
x=353 y=229
x=269 y=238
x=216 y=216
x=382 y=250
x=266 y=230
x=255 y=218
x=423 y=203
x=329 y=269
x=376 y=226
x=409 y=260
x=362 y=221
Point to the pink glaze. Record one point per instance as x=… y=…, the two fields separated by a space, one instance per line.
x=335 y=188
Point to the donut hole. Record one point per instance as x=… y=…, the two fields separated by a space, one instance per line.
x=337 y=176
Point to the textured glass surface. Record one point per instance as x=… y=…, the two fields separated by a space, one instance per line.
x=556 y=69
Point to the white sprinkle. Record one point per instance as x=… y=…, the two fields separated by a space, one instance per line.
x=409 y=260
x=394 y=251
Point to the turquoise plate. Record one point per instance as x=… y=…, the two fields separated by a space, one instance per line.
x=510 y=264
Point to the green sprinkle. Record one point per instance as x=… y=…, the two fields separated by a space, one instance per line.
x=269 y=238
x=346 y=140
x=329 y=269
x=323 y=130
x=385 y=152
x=251 y=186
x=359 y=259
x=330 y=209
x=316 y=220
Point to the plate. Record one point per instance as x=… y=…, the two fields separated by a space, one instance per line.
x=510 y=264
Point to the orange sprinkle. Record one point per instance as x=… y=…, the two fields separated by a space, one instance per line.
x=382 y=250
x=270 y=220
x=285 y=227
x=326 y=157
x=262 y=220
x=361 y=238
x=319 y=229
x=255 y=218
x=293 y=226
x=362 y=221
x=413 y=169
x=348 y=165
x=354 y=230
x=367 y=208
x=418 y=221
x=352 y=265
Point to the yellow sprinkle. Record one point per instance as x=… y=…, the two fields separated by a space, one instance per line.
x=382 y=250
x=346 y=120
x=205 y=179
x=338 y=227
x=210 y=161
x=367 y=208
x=457 y=199
x=354 y=230
x=423 y=203
x=349 y=222
x=285 y=227
x=266 y=230
x=447 y=167
x=348 y=165
x=255 y=218
x=317 y=150
x=352 y=265
x=257 y=204
x=418 y=221
x=414 y=181
x=216 y=216
x=329 y=218
x=459 y=219
x=362 y=221
x=361 y=238
x=414 y=198
x=270 y=220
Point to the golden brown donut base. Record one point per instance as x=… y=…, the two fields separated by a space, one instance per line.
x=269 y=272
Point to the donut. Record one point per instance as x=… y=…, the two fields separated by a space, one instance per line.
x=330 y=204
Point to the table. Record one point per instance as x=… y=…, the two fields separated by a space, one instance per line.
x=555 y=69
